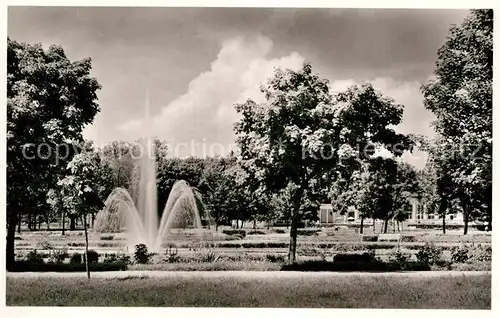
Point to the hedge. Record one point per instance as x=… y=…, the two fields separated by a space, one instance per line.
x=371 y=266
x=325 y=245
x=23 y=266
x=307 y=232
x=242 y=233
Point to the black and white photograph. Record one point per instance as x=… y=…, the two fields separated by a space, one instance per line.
x=248 y=157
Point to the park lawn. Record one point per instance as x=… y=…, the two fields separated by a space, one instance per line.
x=313 y=291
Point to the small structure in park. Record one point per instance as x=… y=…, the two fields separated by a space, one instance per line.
x=417 y=210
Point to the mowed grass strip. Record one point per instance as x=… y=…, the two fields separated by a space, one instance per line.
x=312 y=291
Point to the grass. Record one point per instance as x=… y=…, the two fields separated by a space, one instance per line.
x=312 y=291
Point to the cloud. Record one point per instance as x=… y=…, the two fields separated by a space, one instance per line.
x=205 y=113
x=201 y=121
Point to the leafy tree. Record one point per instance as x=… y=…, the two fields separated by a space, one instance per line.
x=387 y=187
x=461 y=99
x=118 y=155
x=436 y=182
x=367 y=118
x=82 y=189
x=49 y=101
x=219 y=190
x=288 y=140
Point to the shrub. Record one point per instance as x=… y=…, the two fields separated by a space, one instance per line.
x=76 y=244
x=76 y=258
x=110 y=258
x=34 y=257
x=60 y=255
x=429 y=254
x=172 y=255
x=65 y=267
x=107 y=237
x=235 y=232
x=369 y=238
x=141 y=255
x=371 y=266
x=124 y=258
x=307 y=232
x=234 y=237
x=208 y=257
x=476 y=266
x=274 y=258
x=93 y=256
x=408 y=238
x=279 y=231
x=44 y=245
x=108 y=244
x=399 y=258
x=459 y=254
x=257 y=232
x=480 y=253
x=353 y=257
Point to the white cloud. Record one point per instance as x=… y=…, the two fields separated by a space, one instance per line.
x=205 y=113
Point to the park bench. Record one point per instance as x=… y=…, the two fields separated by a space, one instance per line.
x=389 y=237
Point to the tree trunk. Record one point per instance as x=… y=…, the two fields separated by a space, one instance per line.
x=39 y=223
x=29 y=221
x=361 y=225
x=11 y=236
x=72 y=224
x=254 y=224
x=47 y=220
x=374 y=230
x=386 y=223
x=292 y=252
x=86 y=247
x=19 y=226
x=93 y=220
x=63 y=222
x=444 y=223
x=216 y=226
x=466 y=222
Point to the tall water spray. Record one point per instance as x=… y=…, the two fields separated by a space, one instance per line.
x=141 y=219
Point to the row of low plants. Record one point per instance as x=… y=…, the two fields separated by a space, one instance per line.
x=341 y=246
x=61 y=261
x=428 y=257
x=318 y=244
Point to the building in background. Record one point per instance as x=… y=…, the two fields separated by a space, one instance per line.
x=416 y=210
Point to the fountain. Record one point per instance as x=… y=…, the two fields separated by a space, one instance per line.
x=140 y=218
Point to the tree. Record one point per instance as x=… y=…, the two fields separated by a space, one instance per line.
x=288 y=140
x=82 y=189
x=386 y=189
x=461 y=99
x=367 y=118
x=436 y=182
x=219 y=185
x=49 y=101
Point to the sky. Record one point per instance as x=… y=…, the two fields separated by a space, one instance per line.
x=194 y=64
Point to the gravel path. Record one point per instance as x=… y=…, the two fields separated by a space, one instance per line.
x=242 y=274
